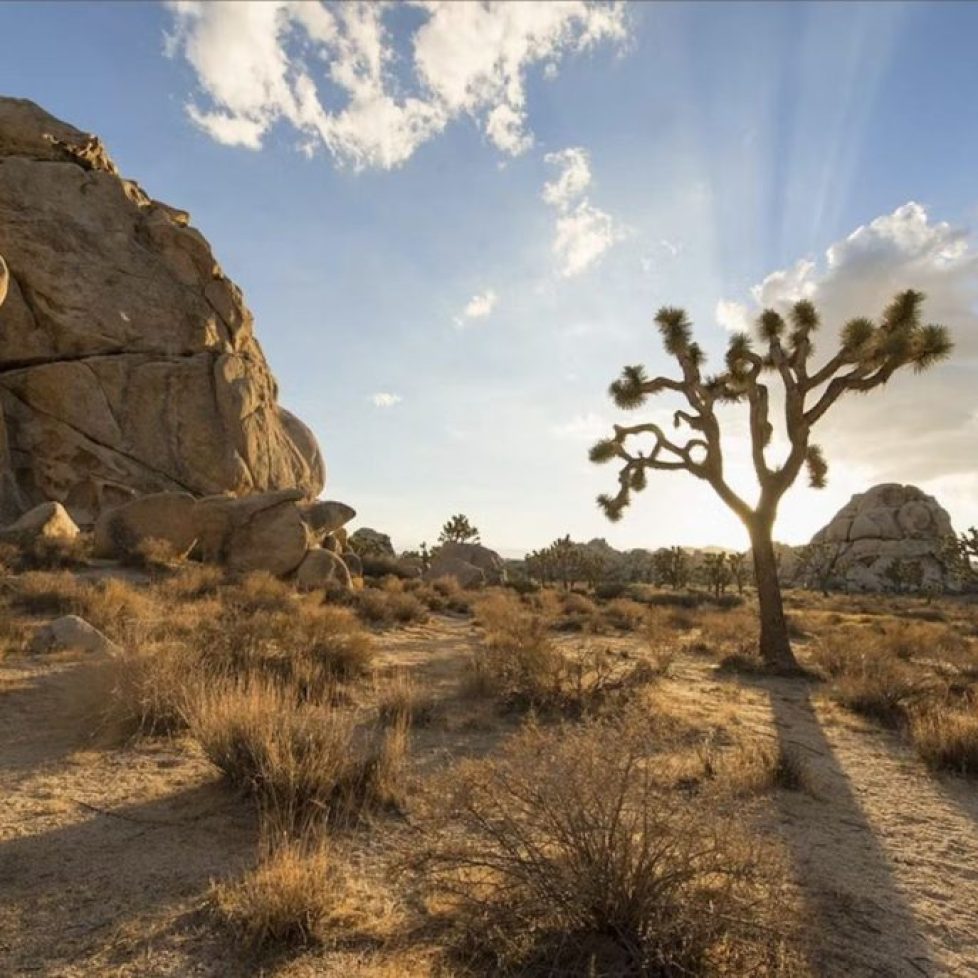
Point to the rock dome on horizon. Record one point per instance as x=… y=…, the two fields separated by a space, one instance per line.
x=885 y=523
x=128 y=362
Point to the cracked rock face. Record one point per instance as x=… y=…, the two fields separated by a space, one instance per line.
x=886 y=523
x=128 y=363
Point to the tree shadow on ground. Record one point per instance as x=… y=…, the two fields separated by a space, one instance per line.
x=69 y=894
x=861 y=923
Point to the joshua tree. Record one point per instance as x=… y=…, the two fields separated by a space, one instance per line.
x=458 y=530
x=739 y=569
x=671 y=567
x=869 y=354
x=716 y=571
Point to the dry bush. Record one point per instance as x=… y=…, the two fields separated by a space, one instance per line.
x=51 y=553
x=261 y=591
x=301 y=761
x=147 y=690
x=155 y=555
x=125 y=612
x=45 y=593
x=565 y=856
x=308 y=649
x=521 y=665
x=192 y=581
x=401 y=703
x=754 y=768
x=625 y=614
x=946 y=737
x=868 y=679
x=302 y=891
x=385 y=607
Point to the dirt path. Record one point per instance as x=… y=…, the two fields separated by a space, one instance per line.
x=106 y=854
x=886 y=853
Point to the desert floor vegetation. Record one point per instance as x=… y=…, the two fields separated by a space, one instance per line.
x=425 y=781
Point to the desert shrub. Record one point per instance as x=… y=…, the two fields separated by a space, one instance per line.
x=261 y=591
x=192 y=581
x=607 y=590
x=625 y=614
x=299 y=761
x=302 y=891
x=308 y=649
x=946 y=737
x=521 y=665
x=45 y=593
x=54 y=553
x=125 y=612
x=868 y=680
x=578 y=604
x=401 y=703
x=147 y=689
x=155 y=555
x=565 y=856
x=385 y=607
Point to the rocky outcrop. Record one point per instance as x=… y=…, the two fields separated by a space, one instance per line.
x=470 y=563
x=368 y=542
x=270 y=531
x=887 y=523
x=321 y=568
x=128 y=363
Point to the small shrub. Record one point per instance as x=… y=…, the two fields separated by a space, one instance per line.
x=192 y=581
x=389 y=606
x=300 y=761
x=564 y=856
x=261 y=591
x=400 y=703
x=607 y=590
x=625 y=614
x=946 y=738
x=303 y=891
x=155 y=555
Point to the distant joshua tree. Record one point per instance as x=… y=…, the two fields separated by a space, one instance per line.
x=671 y=567
x=868 y=355
x=739 y=569
x=458 y=530
x=716 y=571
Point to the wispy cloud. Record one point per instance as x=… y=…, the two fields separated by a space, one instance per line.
x=258 y=64
x=480 y=306
x=383 y=399
x=587 y=426
x=583 y=232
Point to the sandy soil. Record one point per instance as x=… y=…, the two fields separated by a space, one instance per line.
x=106 y=853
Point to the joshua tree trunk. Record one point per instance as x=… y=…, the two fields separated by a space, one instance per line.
x=775 y=648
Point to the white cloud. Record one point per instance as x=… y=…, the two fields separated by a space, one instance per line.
x=733 y=316
x=918 y=428
x=385 y=400
x=583 y=232
x=258 y=64
x=480 y=306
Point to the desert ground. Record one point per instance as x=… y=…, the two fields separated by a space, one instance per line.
x=132 y=843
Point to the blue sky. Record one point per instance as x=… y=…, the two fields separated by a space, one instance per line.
x=713 y=145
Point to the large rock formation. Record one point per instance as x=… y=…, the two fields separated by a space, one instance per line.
x=128 y=364
x=887 y=523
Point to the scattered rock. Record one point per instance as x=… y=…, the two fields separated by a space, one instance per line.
x=165 y=516
x=368 y=542
x=468 y=575
x=71 y=634
x=47 y=520
x=129 y=357
x=353 y=563
x=326 y=516
x=320 y=568
x=450 y=557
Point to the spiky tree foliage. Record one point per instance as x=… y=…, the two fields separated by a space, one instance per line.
x=959 y=555
x=869 y=353
x=458 y=530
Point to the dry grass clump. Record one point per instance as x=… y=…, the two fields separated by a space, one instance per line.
x=946 y=738
x=45 y=593
x=625 y=614
x=155 y=555
x=754 y=769
x=300 y=760
x=308 y=649
x=869 y=679
x=147 y=690
x=401 y=703
x=303 y=891
x=389 y=605
x=191 y=581
x=261 y=591
x=521 y=665
x=565 y=856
